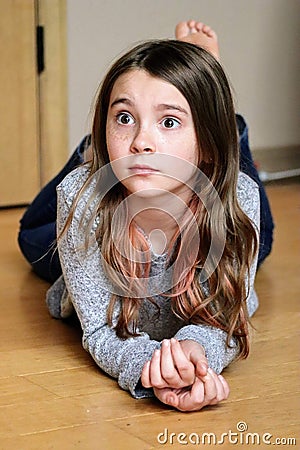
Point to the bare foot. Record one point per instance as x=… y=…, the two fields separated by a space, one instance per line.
x=199 y=34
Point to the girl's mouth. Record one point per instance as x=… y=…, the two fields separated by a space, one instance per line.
x=143 y=170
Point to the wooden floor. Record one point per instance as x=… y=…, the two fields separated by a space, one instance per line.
x=53 y=396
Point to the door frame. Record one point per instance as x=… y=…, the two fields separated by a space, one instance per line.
x=52 y=88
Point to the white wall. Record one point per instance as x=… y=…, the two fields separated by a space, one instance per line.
x=259 y=42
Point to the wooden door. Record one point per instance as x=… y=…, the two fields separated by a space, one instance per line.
x=19 y=155
x=33 y=107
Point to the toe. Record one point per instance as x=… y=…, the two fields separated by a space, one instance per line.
x=206 y=29
x=191 y=23
x=192 y=26
x=199 y=26
x=213 y=34
x=182 y=29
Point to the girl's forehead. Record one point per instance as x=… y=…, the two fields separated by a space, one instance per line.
x=138 y=84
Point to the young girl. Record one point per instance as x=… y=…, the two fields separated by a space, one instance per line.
x=157 y=236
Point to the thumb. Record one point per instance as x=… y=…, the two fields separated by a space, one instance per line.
x=201 y=368
x=167 y=396
x=200 y=362
x=196 y=354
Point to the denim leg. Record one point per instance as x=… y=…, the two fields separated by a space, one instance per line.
x=39 y=248
x=43 y=208
x=247 y=166
x=37 y=235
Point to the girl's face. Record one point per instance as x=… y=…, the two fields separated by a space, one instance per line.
x=150 y=127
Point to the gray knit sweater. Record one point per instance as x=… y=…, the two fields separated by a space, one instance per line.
x=85 y=287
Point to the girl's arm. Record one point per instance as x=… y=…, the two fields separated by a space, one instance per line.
x=213 y=339
x=90 y=293
x=210 y=388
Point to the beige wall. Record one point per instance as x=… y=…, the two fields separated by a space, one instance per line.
x=259 y=42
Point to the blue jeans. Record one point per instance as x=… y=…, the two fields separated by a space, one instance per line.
x=247 y=166
x=37 y=235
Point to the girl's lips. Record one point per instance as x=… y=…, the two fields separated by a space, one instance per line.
x=143 y=170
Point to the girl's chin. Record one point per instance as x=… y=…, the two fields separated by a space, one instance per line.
x=147 y=192
x=150 y=189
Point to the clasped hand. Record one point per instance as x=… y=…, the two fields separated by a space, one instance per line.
x=180 y=376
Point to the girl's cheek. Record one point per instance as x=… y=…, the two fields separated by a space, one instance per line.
x=118 y=144
x=115 y=135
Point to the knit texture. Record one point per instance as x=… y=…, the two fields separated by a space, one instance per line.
x=85 y=287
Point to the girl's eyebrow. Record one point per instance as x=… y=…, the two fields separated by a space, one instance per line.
x=124 y=100
x=166 y=106
x=161 y=107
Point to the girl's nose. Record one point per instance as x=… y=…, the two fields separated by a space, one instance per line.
x=143 y=142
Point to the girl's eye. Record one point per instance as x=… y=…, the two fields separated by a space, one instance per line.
x=170 y=122
x=124 y=119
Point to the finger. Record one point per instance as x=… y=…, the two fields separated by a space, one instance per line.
x=210 y=389
x=192 y=400
x=222 y=389
x=225 y=386
x=145 y=375
x=154 y=370
x=169 y=372
x=220 y=393
x=185 y=368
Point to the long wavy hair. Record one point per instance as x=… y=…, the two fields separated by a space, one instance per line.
x=222 y=301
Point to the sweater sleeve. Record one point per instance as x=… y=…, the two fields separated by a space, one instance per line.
x=90 y=294
x=213 y=339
